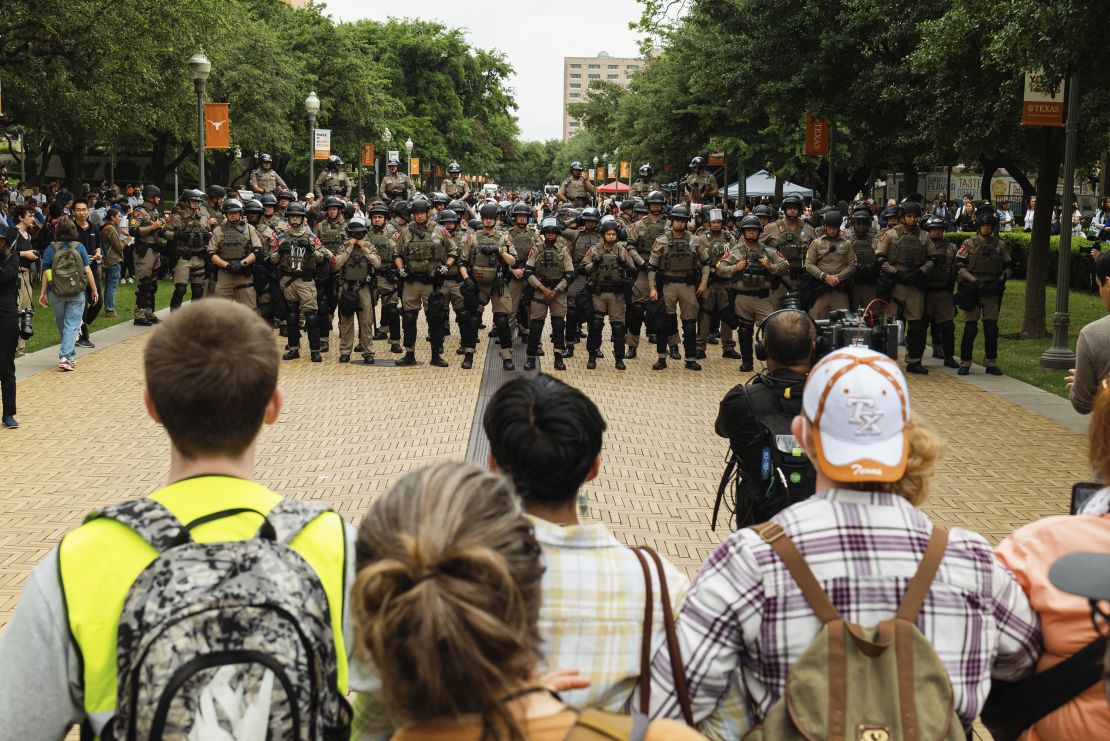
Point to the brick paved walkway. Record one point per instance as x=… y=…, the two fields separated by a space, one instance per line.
x=348 y=430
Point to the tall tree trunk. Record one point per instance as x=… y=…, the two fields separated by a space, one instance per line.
x=1036 y=271
x=909 y=179
x=1104 y=177
x=72 y=161
x=1017 y=174
x=990 y=167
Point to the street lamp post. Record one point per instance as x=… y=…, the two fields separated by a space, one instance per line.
x=1059 y=355
x=311 y=107
x=408 y=149
x=387 y=137
x=201 y=68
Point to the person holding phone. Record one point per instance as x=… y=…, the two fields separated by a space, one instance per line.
x=9 y=322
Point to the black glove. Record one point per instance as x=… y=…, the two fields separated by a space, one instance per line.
x=441 y=271
x=468 y=287
x=402 y=273
x=234 y=267
x=597 y=259
x=581 y=270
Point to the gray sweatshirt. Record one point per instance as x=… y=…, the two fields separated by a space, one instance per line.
x=1092 y=364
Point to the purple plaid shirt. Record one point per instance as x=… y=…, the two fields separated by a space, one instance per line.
x=745 y=611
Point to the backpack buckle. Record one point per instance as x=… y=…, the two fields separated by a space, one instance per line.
x=771 y=532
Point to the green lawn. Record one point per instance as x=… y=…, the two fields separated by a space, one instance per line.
x=1021 y=358
x=46 y=332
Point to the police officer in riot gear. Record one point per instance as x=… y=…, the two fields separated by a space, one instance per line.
x=395 y=185
x=700 y=185
x=642 y=237
x=189 y=230
x=582 y=239
x=576 y=188
x=862 y=237
x=357 y=262
x=385 y=288
x=984 y=266
x=146 y=224
x=765 y=214
x=940 y=305
x=487 y=256
x=549 y=271
x=454 y=185
x=905 y=257
x=253 y=211
x=524 y=237
x=333 y=181
x=232 y=250
x=645 y=184
x=717 y=299
x=679 y=263
x=264 y=179
x=830 y=264
x=751 y=266
x=332 y=232
x=423 y=255
x=610 y=266
x=297 y=253
x=791 y=237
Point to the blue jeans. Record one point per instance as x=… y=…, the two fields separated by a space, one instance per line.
x=111 y=283
x=68 y=313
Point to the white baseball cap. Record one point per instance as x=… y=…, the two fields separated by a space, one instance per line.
x=858 y=405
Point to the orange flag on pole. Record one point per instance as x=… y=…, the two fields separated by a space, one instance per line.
x=217 y=126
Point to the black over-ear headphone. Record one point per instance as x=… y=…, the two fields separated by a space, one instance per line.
x=760 y=350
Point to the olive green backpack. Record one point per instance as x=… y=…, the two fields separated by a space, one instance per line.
x=67 y=270
x=883 y=683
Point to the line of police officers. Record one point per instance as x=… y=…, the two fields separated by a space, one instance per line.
x=643 y=269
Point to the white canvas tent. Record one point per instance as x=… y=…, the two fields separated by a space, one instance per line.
x=762 y=183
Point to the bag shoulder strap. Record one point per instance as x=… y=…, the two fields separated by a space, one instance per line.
x=609 y=725
x=152 y=521
x=681 y=689
x=774 y=535
x=290 y=516
x=918 y=588
x=645 y=639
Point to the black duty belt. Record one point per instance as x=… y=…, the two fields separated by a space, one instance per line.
x=755 y=294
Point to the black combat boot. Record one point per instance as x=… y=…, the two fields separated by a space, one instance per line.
x=591 y=364
x=468 y=361
x=660 y=364
x=559 y=364
x=530 y=363
x=408 y=359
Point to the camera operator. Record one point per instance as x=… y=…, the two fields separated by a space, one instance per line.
x=772 y=472
x=9 y=322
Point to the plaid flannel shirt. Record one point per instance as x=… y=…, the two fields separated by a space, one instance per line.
x=745 y=610
x=592 y=619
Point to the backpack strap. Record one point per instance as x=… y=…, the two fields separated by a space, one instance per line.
x=774 y=535
x=645 y=643
x=290 y=516
x=918 y=588
x=152 y=521
x=593 y=723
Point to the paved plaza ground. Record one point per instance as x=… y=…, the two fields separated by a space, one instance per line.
x=347 y=431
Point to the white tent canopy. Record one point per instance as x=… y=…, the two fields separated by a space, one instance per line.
x=762 y=183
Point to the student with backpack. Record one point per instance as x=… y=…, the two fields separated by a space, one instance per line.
x=211 y=609
x=447 y=605
x=65 y=276
x=850 y=614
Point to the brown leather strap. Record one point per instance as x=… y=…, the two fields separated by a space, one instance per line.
x=838 y=680
x=645 y=641
x=903 y=645
x=772 y=533
x=678 y=669
x=918 y=588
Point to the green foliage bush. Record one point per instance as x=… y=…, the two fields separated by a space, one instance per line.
x=1018 y=243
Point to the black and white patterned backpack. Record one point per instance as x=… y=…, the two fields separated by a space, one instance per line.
x=228 y=640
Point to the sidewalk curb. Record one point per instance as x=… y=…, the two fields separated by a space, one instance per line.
x=1036 y=400
x=47 y=358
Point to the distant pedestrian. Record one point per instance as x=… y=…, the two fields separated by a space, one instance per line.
x=9 y=322
x=1029 y=213
x=65 y=276
x=114 y=249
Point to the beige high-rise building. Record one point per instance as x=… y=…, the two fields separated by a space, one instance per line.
x=579 y=72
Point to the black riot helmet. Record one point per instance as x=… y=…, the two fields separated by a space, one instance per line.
x=378 y=207
x=986 y=214
x=911 y=207
x=287 y=195
x=457 y=206
x=333 y=201
x=751 y=222
x=640 y=207
x=763 y=210
x=520 y=209
x=268 y=199
x=252 y=207
x=150 y=192
x=589 y=214
x=697 y=162
x=792 y=201
x=550 y=224
x=266 y=158
x=335 y=161
x=679 y=213
x=216 y=192
x=645 y=171
x=420 y=206
x=629 y=204
x=656 y=196
x=861 y=215
x=474 y=224
x=401 y=208
x=831 y=218
x=296 y=208
x=448 y=216
x=454 y=168
x=232 y=205
x=610 y=224
x=934 y=222
x=489 y=210
x=193 y=195
x=357 y=227
x=348 y=210
x=438 y=198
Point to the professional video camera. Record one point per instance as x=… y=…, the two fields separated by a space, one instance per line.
x=845 y=328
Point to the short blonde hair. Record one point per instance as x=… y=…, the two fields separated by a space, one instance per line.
x=925 y=449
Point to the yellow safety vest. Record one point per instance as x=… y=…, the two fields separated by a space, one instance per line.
x=99 y=561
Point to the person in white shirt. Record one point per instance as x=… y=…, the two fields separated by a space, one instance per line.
x=1029 y=213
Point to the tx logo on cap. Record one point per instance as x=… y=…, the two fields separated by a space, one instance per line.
x=864 y=415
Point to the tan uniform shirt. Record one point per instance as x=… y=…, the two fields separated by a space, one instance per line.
x=641 y=188
x=663 y=245
x=396 y=186
x=454 y=188
x=573 y=188
x=827 y=256
x=266 y=181
x=744 y=252
x=562 y=250
x=700 y=186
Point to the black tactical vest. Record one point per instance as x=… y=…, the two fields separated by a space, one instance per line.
x=357 y=267
x=548 y=264
x=234 y=242
x=582 y=243
x=610 y=274
x=298 y=258
x=984 y=258
x=906 y=251
x=486 y=260
x=679 y=259
x=426 y=251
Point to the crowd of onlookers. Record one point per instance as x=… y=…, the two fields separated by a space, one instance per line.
x=472 y=603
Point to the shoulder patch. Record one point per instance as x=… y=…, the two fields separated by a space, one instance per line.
x=882 y=237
